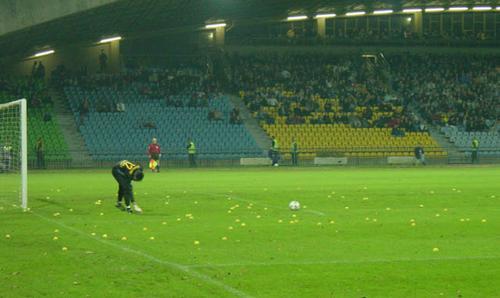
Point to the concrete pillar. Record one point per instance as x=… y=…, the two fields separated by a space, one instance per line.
x=114 y=59
x=321 y=27
x=219 y=36
x=418 y=23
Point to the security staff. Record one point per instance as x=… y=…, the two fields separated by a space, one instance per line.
x=191 y=148
x=475 y=149
x=275 y=152
x=295 y=152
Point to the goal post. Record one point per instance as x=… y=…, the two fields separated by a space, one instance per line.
x=14 y=151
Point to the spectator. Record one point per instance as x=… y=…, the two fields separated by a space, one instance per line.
x=103 y=61
x=235 y=117
x=40 y=154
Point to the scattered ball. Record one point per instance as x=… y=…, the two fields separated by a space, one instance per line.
x=105 y=236
x=64 y=248
x=152 y=238
x=55 y=238
x=483 y=220
x=224 y=238
x=124 y=238
x=435 y=249
x=196 y=242
x=7 y=236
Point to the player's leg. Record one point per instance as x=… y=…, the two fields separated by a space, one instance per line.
x=121 y=190
x=129 y=196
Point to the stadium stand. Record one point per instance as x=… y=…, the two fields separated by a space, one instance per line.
x=170 y=106
x=42 y=122
x=489 y=142
x=459 y=90
x=342 y=104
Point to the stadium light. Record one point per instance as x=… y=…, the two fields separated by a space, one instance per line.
x=44 y=53
x=482 y=8
x=213 y=26
x=458 y=8
x=412 y=10
x=434 y=9
x=355 y=13
x=498 y=8
x=106 y=40
x=325 y=15
x=296 y=18
x=383 y=11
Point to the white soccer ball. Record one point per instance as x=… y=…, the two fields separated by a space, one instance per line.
x=294 y=205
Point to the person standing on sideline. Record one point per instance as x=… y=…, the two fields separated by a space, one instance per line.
x=40 y=156
x=103 y=61
x=294 y=150
x=275 y=153
x=475 y=149
x=191 y=148
x=420 y=154
x=154 y=153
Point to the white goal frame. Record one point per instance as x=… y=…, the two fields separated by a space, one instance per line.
x=23 y=118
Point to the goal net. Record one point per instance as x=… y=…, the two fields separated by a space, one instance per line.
x=13 y=154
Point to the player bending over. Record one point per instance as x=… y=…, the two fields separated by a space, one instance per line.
x=124 y=172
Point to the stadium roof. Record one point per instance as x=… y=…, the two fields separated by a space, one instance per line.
x=131 y=18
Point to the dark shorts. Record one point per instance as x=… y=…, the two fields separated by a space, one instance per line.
x=155 y=156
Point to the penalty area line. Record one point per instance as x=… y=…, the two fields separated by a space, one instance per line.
x=186 y=269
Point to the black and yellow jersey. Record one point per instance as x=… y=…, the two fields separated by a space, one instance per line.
x=126 y=168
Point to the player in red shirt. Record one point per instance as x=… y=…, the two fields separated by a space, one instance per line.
x=154 y=152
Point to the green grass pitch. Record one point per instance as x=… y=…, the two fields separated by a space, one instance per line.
x=362 y=232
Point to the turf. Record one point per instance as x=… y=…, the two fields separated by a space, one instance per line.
x=353 y=237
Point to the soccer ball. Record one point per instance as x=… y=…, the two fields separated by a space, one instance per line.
x=294 y=205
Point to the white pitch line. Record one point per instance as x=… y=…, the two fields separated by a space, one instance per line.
x=333 y=262
x=207 y=279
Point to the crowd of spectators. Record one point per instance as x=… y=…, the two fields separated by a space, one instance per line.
x=444 y=90
x=295 y=84
x=34 y=89
x=460 y=90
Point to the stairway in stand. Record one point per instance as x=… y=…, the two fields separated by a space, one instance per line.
x=79 y=154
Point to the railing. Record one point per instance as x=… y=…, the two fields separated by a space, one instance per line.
x=312 y=41
x=356 y=155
